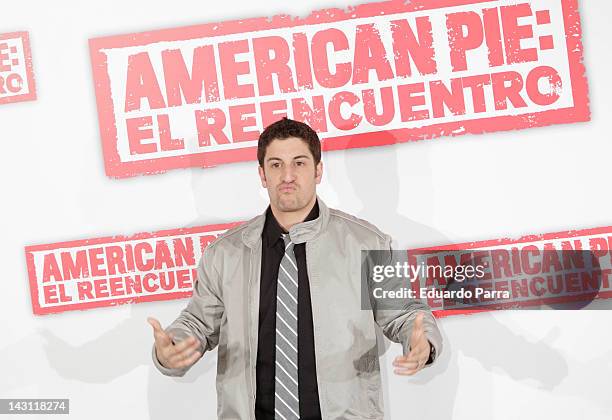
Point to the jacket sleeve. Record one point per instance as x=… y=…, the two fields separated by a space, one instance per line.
x=202 y=315
x=396 y=317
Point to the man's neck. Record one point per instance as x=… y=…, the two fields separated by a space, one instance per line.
x=287 y=219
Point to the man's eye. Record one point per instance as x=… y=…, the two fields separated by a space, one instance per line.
x=300 y=163
x=275 y=165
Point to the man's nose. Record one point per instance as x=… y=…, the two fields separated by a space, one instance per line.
x=288 y=174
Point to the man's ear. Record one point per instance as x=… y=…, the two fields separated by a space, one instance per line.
x=262 y=177
x=319 y=172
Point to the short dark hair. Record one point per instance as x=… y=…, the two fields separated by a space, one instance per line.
x=285 y=128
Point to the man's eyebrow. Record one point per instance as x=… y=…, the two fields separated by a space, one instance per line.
x=296 y=157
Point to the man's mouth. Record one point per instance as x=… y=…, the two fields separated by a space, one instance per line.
x=287 y=189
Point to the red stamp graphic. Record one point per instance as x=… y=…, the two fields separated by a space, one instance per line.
x=144 y=267
x=90 y=273
x=201 y=95
x=16 y=74
x=571 y=268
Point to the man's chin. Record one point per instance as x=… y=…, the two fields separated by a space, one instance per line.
x=288 y=204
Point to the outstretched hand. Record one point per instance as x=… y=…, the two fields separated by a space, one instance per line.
x=170 y=355
x=415 y=360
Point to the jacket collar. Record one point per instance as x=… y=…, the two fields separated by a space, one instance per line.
x=299 y=233
x=273 y=232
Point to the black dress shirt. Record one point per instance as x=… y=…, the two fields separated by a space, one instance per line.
x=273 y=249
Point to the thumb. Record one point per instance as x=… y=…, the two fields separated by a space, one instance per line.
x=418 y=322
x=160 y=335
x=417 y=328
x=154 y=323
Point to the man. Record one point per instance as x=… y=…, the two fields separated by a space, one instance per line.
x=280 y=295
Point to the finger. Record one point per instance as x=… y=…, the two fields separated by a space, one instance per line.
x=408 y=368
x=190 y=360
x=406 y=372
x=413 y=364
x=415 y=353
x=178 y=357
x=181 y=346
x=186 y=350
x=414 y=357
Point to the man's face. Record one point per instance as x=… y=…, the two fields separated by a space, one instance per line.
x=289 y=174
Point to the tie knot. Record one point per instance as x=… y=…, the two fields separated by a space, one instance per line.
x=287 y=240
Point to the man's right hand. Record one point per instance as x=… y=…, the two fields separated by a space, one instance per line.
x=170 y=355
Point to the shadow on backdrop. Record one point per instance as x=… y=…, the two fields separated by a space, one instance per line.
x=128 y=345
x=433 y=392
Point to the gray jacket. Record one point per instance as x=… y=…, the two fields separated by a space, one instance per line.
x=224 y=310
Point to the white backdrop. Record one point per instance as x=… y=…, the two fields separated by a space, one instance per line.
x=504 y=365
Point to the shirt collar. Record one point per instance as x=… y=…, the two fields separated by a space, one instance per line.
x=273 y=231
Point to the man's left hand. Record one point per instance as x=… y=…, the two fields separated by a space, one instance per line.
x=415 y=360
